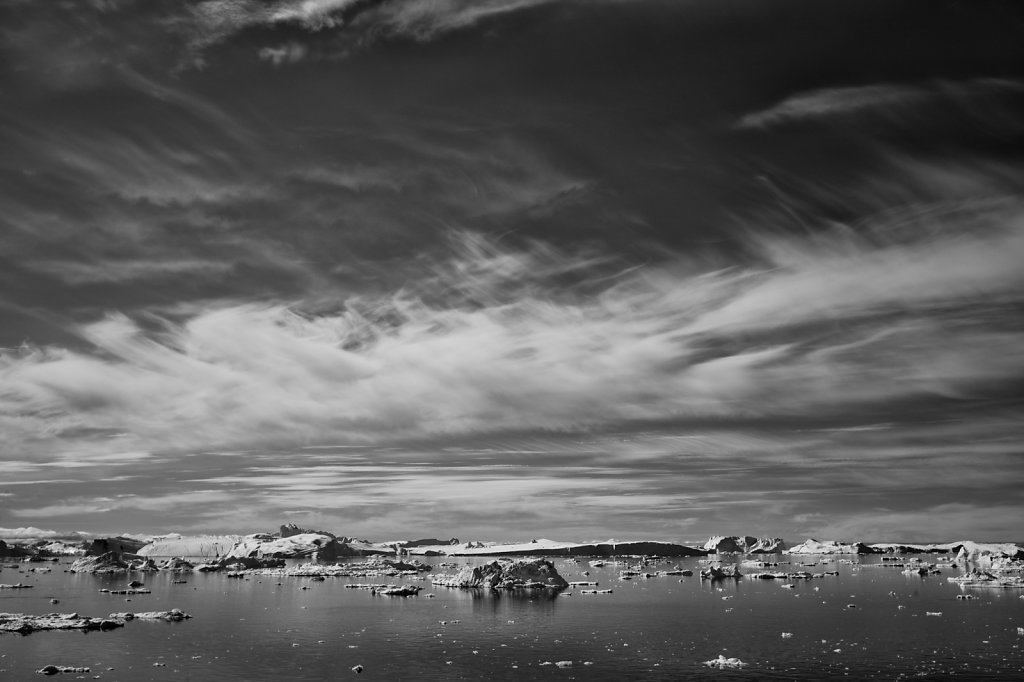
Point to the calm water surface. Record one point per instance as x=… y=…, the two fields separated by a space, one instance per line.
x=660 y=628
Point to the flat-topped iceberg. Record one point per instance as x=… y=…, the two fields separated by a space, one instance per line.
x=26 y=623
x=812 y=546
x=543 y=547
x=211 y=546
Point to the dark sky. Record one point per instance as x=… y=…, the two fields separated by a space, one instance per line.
x=509 y=268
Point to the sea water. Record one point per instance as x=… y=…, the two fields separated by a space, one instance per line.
x=867 y=622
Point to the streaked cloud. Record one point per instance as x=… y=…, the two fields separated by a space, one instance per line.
x=313 y=258
x=31 y=533
x=941 y=523
x=214 y=21
x=425 y=20
x=903 y=103
x=78 y=272
x=288 y=53
x=487 y=343
x=79 y=506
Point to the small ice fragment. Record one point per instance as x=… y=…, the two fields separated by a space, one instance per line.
x=724 y=663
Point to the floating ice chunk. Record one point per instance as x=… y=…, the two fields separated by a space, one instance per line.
x=724 y=663
x=57 y=669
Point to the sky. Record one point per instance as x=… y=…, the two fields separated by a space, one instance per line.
x=502 y=269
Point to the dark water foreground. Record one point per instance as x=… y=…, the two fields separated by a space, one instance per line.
x=847 y=626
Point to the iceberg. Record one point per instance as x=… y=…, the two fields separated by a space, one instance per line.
x=812 y=546
x=263 y=546
x=207 y=546
x=734 y=544
x=539 y=573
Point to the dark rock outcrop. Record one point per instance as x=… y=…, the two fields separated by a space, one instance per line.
x=12 y=551
x=290 y=529
x=429 y=542
x=120 y=545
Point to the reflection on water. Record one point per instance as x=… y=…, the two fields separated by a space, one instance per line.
x=869 y=621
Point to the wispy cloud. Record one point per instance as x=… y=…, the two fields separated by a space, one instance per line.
x=425 y=20
x=939 y=523
x=78 y=272
x=487 y=342
x=214 y=21
x=81 y=506
x=903 y=103
x=31 y=533
x=288 y=53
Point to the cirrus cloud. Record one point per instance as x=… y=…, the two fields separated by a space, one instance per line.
x=490 y=340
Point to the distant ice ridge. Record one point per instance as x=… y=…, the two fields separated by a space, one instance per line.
x=291 y=541
x=735 y=544
x=965 y=549
x=544 y=547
